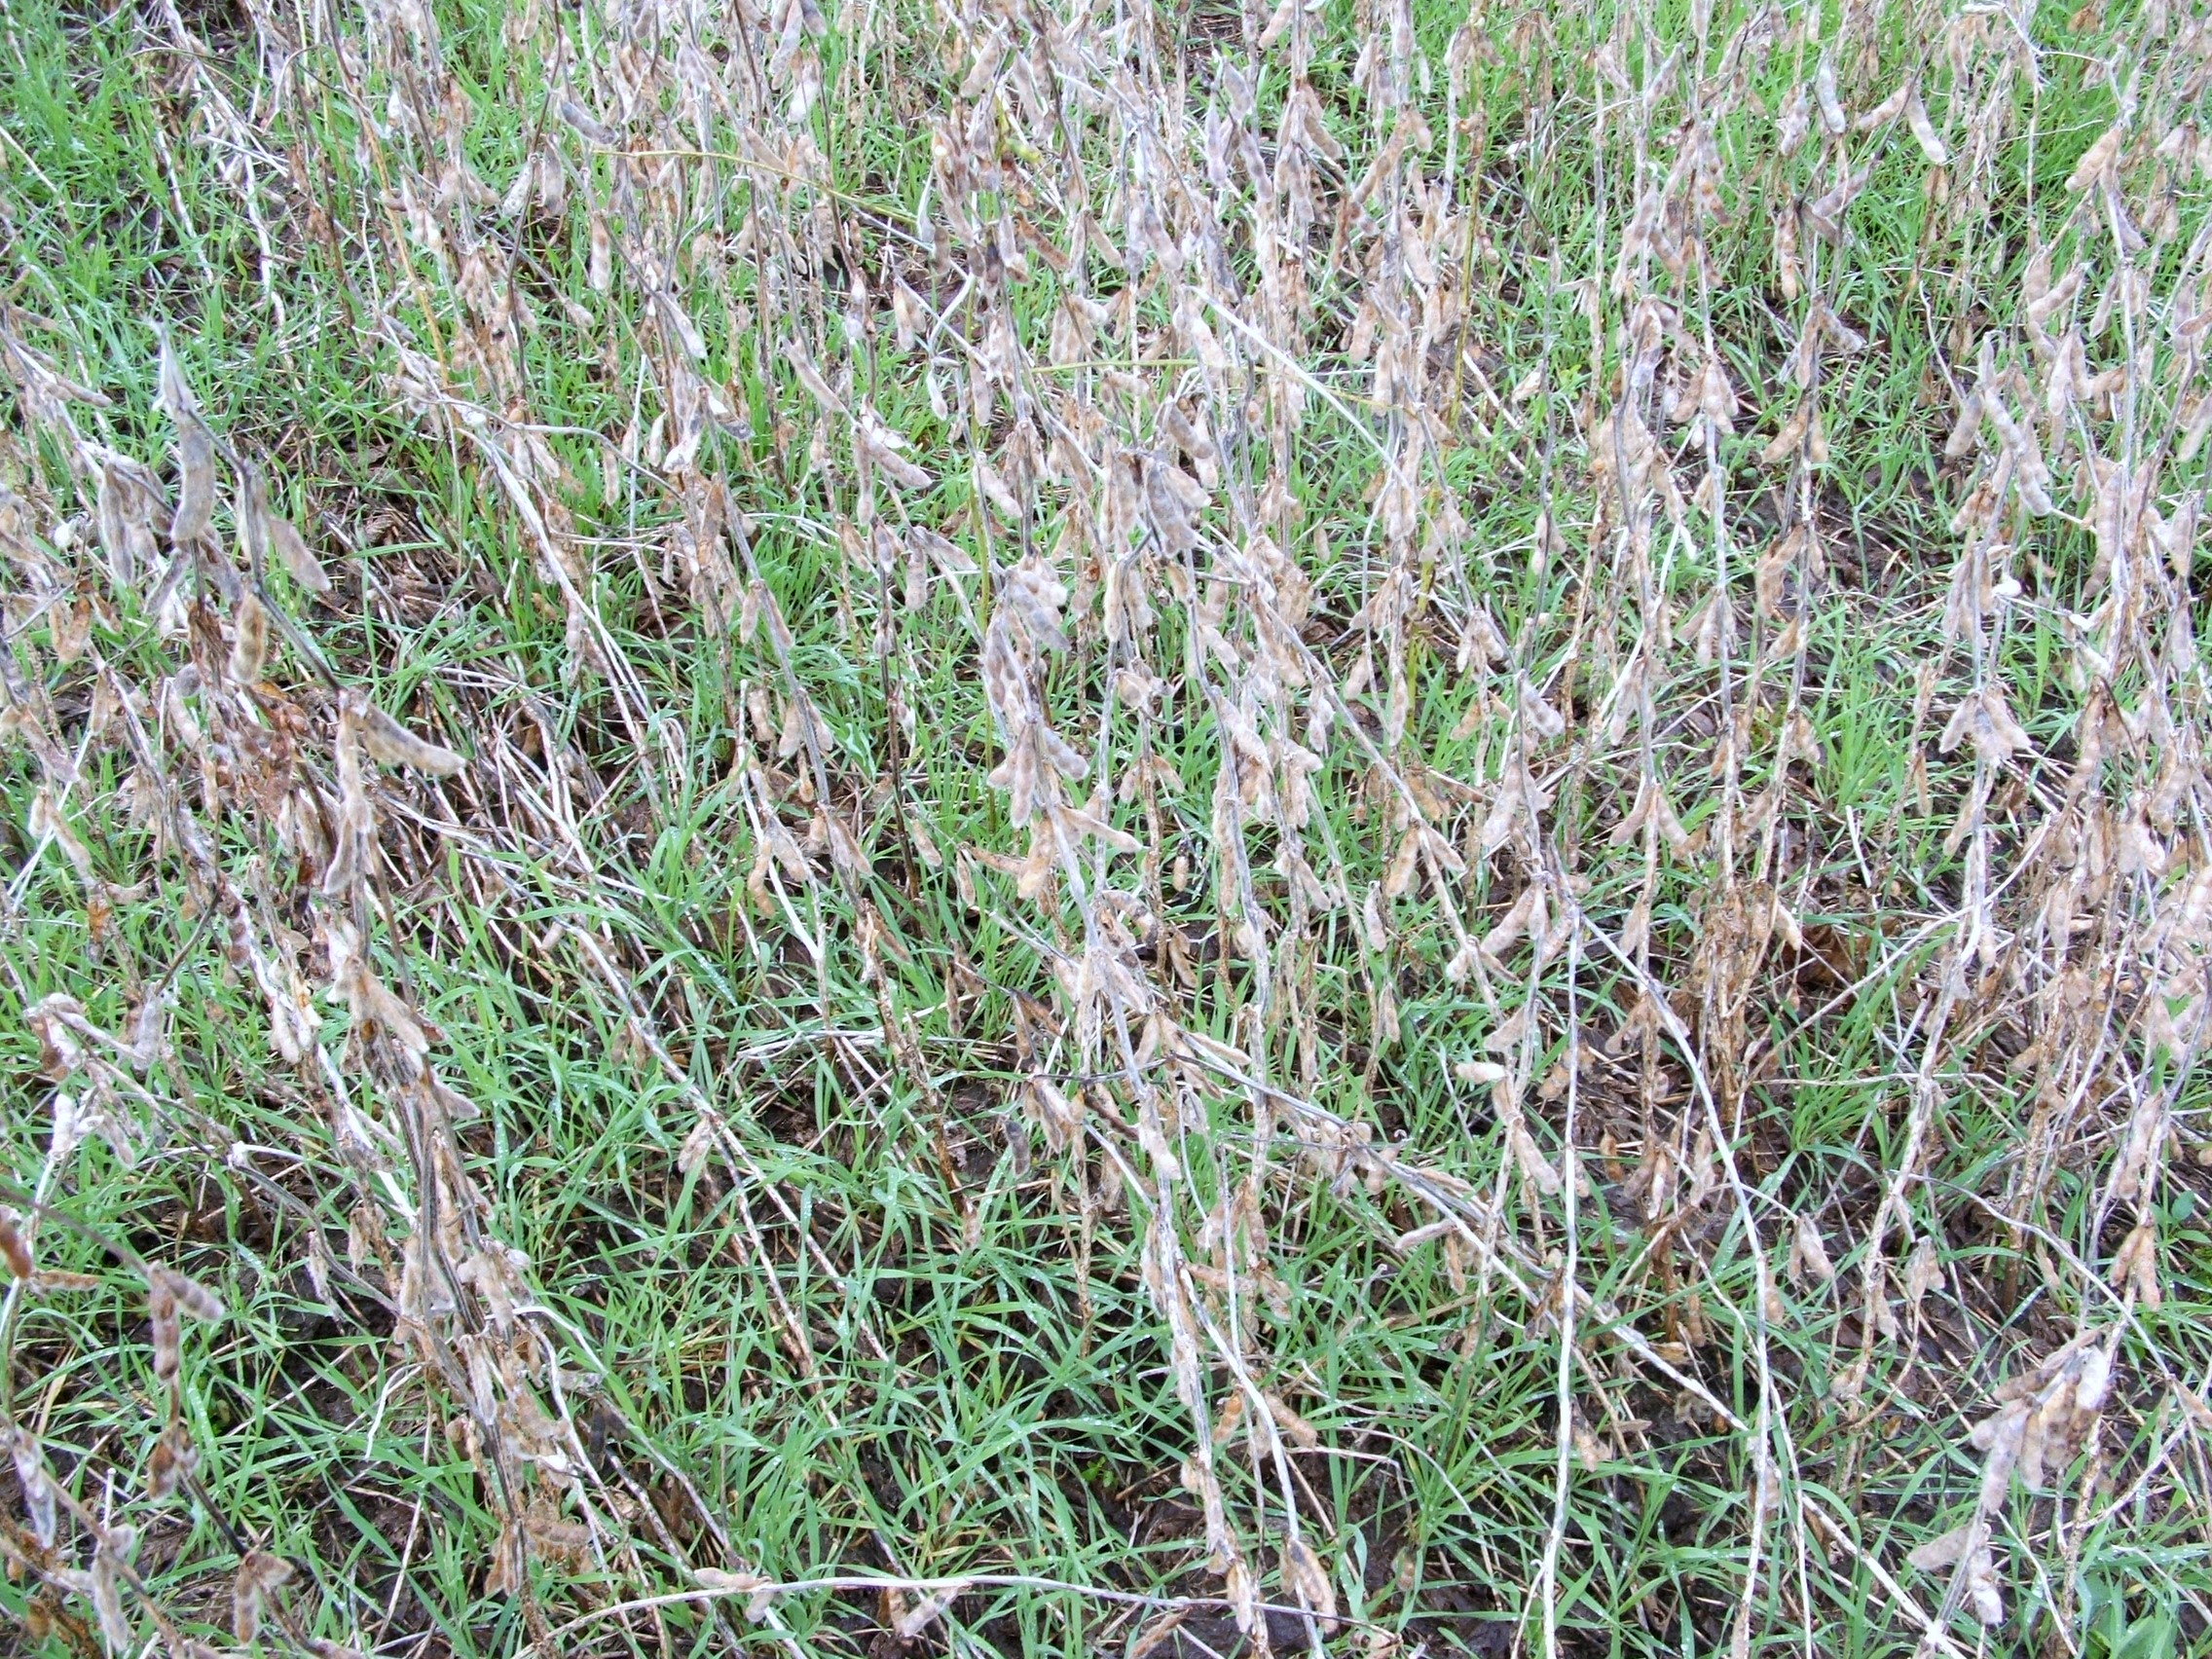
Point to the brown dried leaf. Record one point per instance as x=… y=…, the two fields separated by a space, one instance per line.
x=1151 y=1637
x=927 y=1612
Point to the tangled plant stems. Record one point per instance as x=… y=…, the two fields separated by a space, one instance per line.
x=994 y=827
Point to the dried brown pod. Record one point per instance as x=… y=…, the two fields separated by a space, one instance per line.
x=164 y=1332
x=190 y=1298
x=1924 y=131
x=13 y=1250
x=131 y=511
x=2096 y=163
x=1923 y=1273
x=117 y=1544
x=393 y=745
x=1306 y=1578
x=1808 y=1253
x=758 y=1590
x=809 y=374
x=250 y=641
x=295 y=555
x=32 y=1480
x=1833 y=119
x=267 y=534
x=259 y=1576
x=1823 y=214
x=172 y=1462
x=174 y=393
x=881 y=445
x=171 y=1298
x=196 y=483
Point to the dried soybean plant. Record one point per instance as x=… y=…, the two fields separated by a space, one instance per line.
x=1397 y=496
x=214 y=758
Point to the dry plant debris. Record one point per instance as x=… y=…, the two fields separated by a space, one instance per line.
x=1061 y=828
